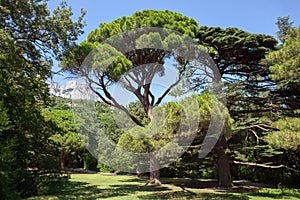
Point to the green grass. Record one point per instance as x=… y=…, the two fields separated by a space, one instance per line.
x=96 y=186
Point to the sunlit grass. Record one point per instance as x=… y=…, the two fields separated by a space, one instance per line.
x=96 y=186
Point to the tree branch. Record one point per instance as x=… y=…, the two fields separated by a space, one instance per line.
x=109 y=99
x=255 y=134
x=266 y=166
x=159 y=100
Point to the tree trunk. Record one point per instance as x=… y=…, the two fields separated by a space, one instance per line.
x=223 y=169
x=62 y=159
x=222 y=164
x=154 y=169
x=154 y=162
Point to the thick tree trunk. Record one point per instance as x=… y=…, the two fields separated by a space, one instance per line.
x=223 y=169
x=154 y=169
x=222 y=164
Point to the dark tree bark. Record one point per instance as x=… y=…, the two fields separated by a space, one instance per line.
x=222 y=163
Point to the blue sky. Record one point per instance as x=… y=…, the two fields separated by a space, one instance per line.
x=255 y=16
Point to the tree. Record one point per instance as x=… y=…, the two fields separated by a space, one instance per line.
x=67 y=136
x=140 y=64
x=284 y=26
x=284 y=66
x=27 y=151
x=30 y=38
x=161 y=136
x=136 y=140
x=237 y=54
x=254 y=95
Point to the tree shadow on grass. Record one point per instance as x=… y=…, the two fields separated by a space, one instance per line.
x=190 y=183
x=125 y=190
x=83 y=190
x=191 y=195
x=77 y=190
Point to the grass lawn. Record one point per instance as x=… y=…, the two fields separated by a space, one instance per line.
x=96 y=186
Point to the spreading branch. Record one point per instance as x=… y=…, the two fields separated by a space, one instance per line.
x=108 y=99
x=266 y=166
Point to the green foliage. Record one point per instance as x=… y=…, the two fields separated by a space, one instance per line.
x=285 y=62
x=107 y=121
x=256 y=94
x=163 y=127
x=7 y=158
x=147 y=18
x=66 y=137
x=59 y=103
x=235 y=51
x=190 y=165
x=4 y=123
x=136 y=108
x=105 y=57
x=284 y=65
x=170 y=121
x=108 y=61
x=139 y=64
x=75 y=56
x=104 y=169
x=284 y=70
x=273 y=148
x=30 y=37
x=136 y=140
x=238 y=54
x=288 y=136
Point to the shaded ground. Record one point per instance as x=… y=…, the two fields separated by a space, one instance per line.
x=238 y=186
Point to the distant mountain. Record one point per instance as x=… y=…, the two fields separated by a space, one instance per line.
x=73 y=90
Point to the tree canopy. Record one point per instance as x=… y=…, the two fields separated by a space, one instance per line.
x=147 y=18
